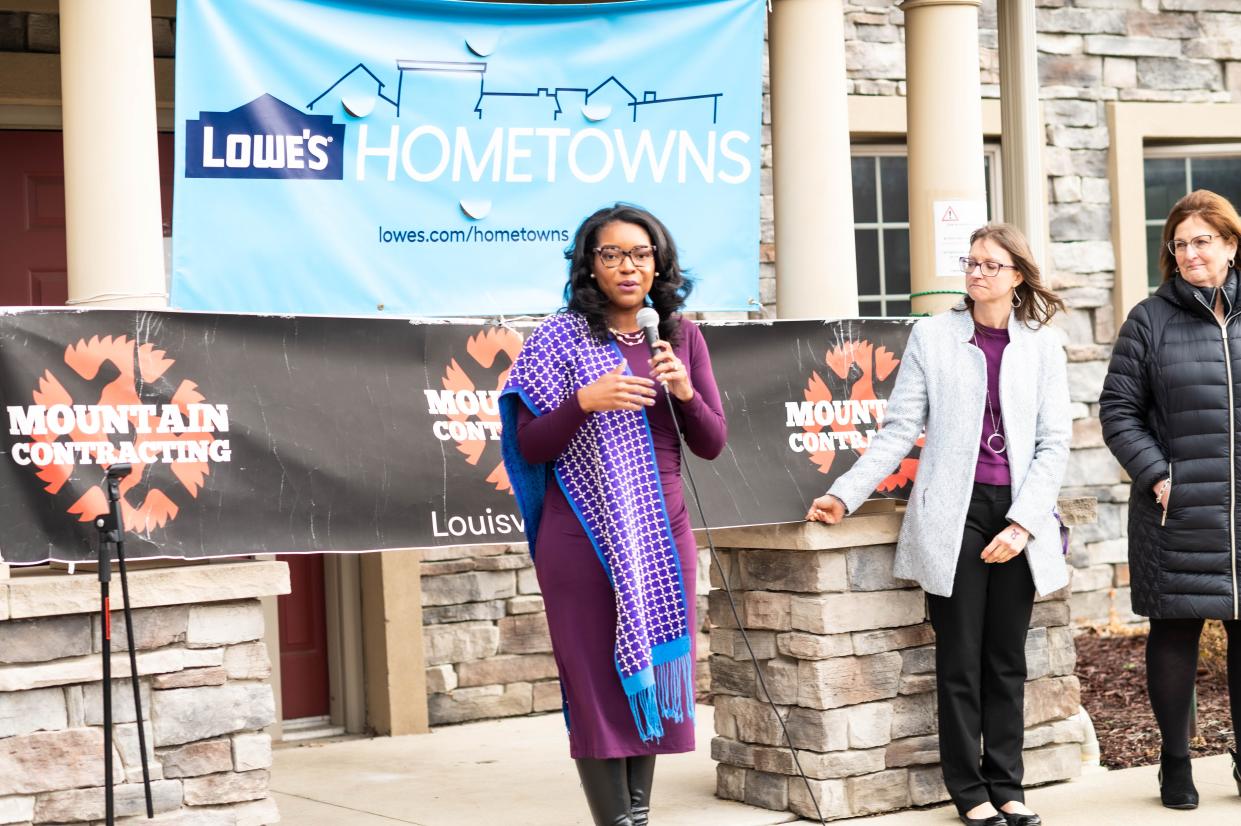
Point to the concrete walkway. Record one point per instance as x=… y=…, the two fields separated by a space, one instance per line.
x=517 y=772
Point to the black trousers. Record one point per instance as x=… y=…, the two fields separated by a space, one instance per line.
x=980 y=660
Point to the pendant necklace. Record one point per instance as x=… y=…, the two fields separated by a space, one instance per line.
x=996 y=435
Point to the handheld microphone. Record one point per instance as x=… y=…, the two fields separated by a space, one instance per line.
x=648 y=320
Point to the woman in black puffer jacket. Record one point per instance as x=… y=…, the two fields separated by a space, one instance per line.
x=1171 y=414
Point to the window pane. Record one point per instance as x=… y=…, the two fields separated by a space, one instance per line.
x=868 y=308
x=894 y=183
x=896 y=261
x=1220 y=175
x=986 y=177
x=864 y=190
x=898 y=308
x=867 y=242
x=1153 y=276
x=1165 y=184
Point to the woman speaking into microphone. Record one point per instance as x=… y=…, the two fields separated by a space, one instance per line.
x=592 y=449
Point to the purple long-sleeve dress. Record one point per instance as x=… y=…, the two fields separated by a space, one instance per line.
x=580 y=602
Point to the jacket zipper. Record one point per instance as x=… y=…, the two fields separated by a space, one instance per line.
x=1232 y=471
x=1232 y=481
x=1167 y=502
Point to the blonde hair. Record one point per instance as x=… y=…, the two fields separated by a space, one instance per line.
x=1038 y=303
x=1215 y=209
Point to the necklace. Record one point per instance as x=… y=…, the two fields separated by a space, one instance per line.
x=996 y=436
x=630 y=339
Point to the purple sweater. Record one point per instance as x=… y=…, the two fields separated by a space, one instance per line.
x=992 y=468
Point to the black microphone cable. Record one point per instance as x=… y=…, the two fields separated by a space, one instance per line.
x=728 y=591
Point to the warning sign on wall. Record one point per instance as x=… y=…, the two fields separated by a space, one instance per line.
x=955 y=221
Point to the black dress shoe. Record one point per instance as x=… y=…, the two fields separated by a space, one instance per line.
x=1176 y=783
x=993 y=820
x=1022 y=820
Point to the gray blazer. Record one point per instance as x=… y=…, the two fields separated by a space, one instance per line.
x=942 y=385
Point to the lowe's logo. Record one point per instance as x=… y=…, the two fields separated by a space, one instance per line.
x=265 y=138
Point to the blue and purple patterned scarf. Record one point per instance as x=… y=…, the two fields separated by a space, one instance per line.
x=608 y=474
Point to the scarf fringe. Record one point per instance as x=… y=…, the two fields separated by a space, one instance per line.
x=645 y=709
x=674 y=685
x=671 y=697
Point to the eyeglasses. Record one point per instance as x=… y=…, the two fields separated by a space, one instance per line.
x=612 y=256
x=989 y=268
x=1198 y=242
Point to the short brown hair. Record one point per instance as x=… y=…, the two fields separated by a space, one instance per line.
x=1215 y=209
x=1038 y=303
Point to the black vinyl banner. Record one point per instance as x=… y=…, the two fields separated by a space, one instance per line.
x=265 y=434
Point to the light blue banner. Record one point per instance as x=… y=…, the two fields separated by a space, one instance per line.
x=434 y=157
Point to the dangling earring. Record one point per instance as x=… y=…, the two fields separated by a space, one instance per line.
x=1016 y=300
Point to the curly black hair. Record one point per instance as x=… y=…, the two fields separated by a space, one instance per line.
x=668 y=291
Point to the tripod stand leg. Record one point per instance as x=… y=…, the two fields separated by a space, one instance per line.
x=133 y=677
x=105 y=618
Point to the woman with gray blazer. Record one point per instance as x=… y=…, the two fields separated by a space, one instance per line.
x=987 y=381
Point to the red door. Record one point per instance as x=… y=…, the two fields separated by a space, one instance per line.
x=32 y=215
x=32 y=219
x=303 y=640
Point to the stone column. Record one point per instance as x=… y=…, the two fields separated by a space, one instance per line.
x=945 y=139
x=816 y=268
x=203 y=675
x=848 y=658
x=112 y=204
x=1021 y=132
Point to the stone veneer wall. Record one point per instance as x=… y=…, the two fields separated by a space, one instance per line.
x=485 y=637
x=848 y=657
x=1090 y=52
x=206 y=697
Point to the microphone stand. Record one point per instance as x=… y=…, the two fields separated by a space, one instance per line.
x=111 y=529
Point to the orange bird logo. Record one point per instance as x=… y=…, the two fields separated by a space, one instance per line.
x=484 y=351
x=144 y=506
x=855 y=371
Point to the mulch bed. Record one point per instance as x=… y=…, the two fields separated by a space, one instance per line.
x=1112 y=670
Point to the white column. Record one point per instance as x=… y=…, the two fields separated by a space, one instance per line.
x=945 y=135
x=816 y=269
x=112 y=202
x=1021 y=133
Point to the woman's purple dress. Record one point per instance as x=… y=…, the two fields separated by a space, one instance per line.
x=581 y=608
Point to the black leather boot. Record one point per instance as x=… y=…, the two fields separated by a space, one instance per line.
x=606 y=784
x=1176 y=783
x=641 y=777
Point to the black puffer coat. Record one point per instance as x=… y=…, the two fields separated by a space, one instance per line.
x=1170 y=407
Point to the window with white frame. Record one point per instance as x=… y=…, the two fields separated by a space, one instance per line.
x=881 y=224
x=1172 y=172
